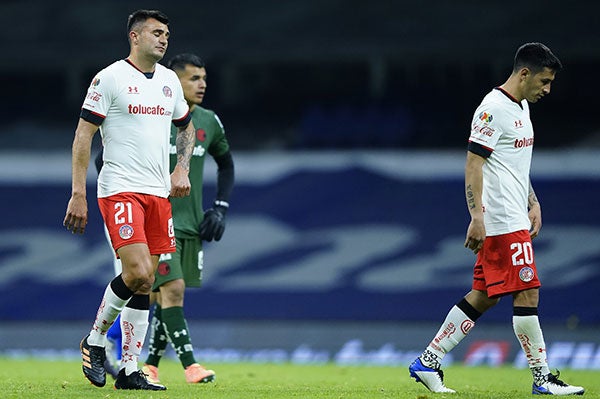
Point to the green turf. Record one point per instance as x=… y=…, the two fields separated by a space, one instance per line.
x=64 y=380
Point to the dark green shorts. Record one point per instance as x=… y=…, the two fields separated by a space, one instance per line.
x=186 y=263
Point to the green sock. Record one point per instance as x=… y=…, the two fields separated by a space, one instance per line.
x=177 y=330
x=158 y=338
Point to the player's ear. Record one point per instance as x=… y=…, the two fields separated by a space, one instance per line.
x=524 y=73
x=133 y=37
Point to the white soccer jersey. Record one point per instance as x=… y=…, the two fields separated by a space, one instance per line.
x=135 y=113
x=502 y=125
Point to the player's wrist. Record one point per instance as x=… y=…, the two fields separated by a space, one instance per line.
x=477 y=217
x=221 y=206
x=183 y=167
x=221 y=203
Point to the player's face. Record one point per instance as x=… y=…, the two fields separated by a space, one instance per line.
x=538 y=85
x=153 y=39
x=193 y=81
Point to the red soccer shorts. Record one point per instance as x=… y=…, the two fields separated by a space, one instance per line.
x=505 y=264
x=132 y=218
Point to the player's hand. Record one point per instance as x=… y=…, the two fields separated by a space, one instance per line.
x=535 y=217
x=76 y=217
x=180 y=182
x=213 y=225
x=475 y=235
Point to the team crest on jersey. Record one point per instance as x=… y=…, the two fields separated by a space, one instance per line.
x=526 y=274
x=126 y=232
x=167 y=91
x=485 y=117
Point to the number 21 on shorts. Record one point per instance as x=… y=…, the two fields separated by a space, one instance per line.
x=123 y=213
x=522 y=253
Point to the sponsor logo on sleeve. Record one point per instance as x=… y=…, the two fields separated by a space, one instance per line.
x=485 y=117
x=483 y=130
x=93 y=96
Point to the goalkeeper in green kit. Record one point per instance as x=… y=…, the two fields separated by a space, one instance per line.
x=192 y=224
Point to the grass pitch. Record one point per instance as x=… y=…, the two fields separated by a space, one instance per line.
x=31 y=378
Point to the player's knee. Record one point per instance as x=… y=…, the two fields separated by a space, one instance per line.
x=172 y=292
x=138 y=278
x=139 y=283
x=146 y=286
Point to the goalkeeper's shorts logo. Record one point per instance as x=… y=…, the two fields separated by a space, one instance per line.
x=126 y=232
x=164 y=269
x=526 y=274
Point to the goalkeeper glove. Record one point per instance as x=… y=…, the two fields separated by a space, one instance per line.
x=213 y=225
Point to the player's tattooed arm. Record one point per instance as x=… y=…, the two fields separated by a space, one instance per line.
x=185 y=145
x=535 y=212
x=470 y=197
x=474 y=183
x=532 y=198
x=473 y=191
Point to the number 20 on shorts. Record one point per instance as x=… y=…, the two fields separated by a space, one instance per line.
x=522 y=253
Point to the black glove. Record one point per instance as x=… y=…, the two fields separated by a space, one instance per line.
x=213 y=225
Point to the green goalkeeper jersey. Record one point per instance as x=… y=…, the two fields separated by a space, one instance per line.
x=188 y=211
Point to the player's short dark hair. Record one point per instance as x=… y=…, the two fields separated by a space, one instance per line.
x=536 y=57
x=179 y=61
x=143 y=15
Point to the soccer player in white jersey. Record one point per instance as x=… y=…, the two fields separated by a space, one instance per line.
x=505 y=216
x=133 y=102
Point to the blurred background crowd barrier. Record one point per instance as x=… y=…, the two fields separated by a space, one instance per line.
x=322 y=250
x=348 y=122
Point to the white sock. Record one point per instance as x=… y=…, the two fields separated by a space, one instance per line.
x=529 y=333
x=455 y=327
x=109 y=309
x=134 y=325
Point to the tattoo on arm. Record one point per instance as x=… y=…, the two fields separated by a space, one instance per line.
x=532 y=198
x=470 y=197
x=185 y=147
